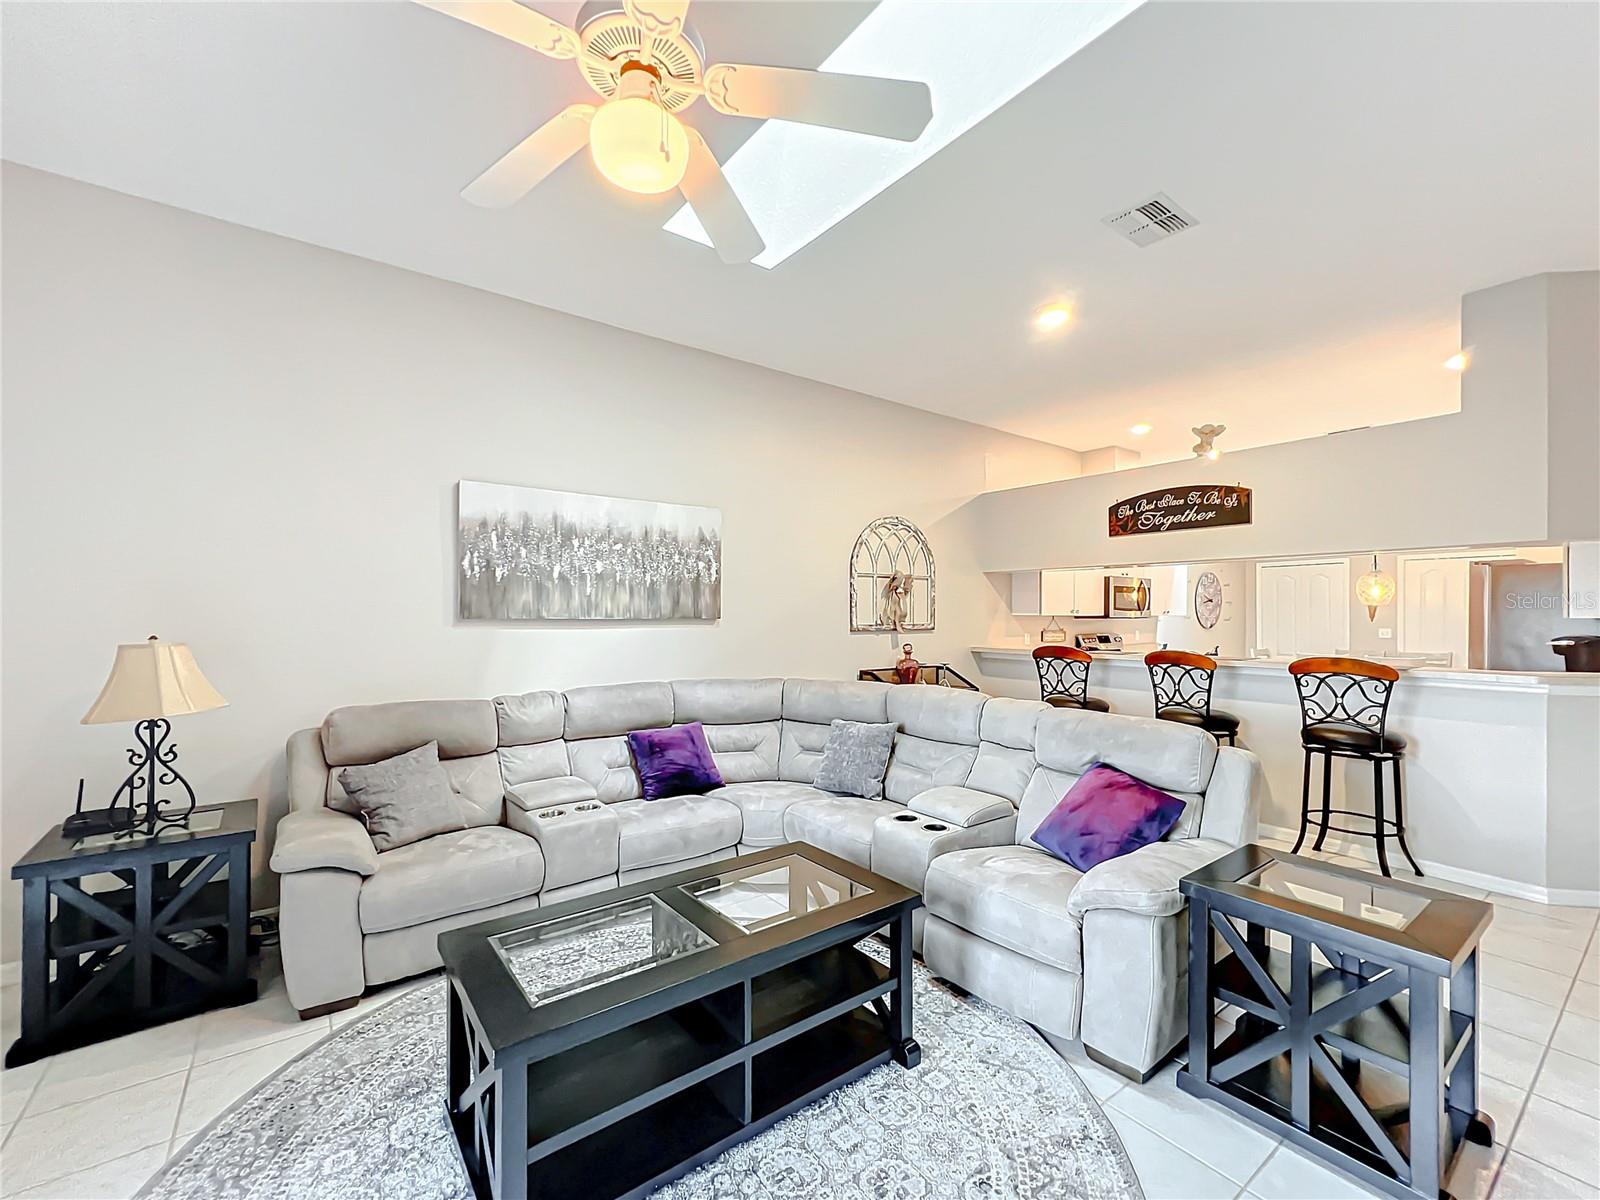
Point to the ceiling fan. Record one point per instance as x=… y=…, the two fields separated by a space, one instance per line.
x=648 y=63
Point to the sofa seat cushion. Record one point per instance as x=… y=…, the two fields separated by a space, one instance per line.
x=763 y=806
x=449 y=874
x=1014 y=896
x=840 y=825
x=653 y=832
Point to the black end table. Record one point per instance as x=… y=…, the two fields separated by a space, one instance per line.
x=1376 y=999
x=121 y=933
x=603 y=1046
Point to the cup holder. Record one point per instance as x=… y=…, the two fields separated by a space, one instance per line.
x=906 y=817
x=935 y=827
x=586 y=806
x=547 y=813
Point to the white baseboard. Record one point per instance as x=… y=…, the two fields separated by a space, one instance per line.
x=1363 y=849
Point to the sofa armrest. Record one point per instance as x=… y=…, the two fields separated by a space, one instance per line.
x=320 y=837
x=1235 y=798
x=1146 y=881
x=544 y=793
x=960 y=806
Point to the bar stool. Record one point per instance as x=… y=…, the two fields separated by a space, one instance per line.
x=1344 y=705
x=1182 y=686
x=1064 y=677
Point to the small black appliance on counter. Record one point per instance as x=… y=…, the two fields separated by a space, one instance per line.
x=1581 y=653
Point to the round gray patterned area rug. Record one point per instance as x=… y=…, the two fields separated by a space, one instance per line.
x=992 y=1112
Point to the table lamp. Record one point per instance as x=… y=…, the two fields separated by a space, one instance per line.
x=150 y=682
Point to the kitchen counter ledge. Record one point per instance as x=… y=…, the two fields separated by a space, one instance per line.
x=1586 y=682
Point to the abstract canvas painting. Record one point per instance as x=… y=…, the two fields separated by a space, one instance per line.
x=530 y=554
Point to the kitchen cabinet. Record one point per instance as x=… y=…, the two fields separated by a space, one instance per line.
x=1058 y=593
x=1089 y=593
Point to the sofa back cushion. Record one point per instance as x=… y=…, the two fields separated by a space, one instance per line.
x=921 y=763
x=606 y=764
x=938 y=739
x=810 y=707
x=745 y=753
x=598 y=720
x=937 y=714
x=1165 y=754
x=530 y=728
x=726 y=701
x=369 y=733
x=465 y=731
x=1005 y=759
x=741 y=720
x=616 y=708
x=1175 y=758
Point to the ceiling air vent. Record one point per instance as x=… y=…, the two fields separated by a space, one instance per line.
x=1155 y=219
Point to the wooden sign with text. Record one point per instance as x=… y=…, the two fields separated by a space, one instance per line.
x=1206 y=507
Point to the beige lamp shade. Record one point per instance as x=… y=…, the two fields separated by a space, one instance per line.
x=153 y=679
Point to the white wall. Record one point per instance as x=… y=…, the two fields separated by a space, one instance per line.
x=250 y=444
x=1500 y=471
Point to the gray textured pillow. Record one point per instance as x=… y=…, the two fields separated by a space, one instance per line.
x=855 y=757
x=405 y=798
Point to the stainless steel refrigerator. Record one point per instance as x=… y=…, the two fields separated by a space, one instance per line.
x=1515 y=609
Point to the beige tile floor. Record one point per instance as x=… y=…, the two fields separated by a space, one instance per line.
x=98 y=1122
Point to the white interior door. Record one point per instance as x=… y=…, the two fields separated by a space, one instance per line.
x=1303 y=609
x=1434 y=600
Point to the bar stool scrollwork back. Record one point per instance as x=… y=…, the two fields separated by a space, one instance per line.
x=1064 y=678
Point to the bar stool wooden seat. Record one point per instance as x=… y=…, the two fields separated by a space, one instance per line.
x=1182 y=685
x=1344 y=708
x=1064 y=677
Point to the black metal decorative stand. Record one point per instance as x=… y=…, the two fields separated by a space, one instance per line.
x=154 y=768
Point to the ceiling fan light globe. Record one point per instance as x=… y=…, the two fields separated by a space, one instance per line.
x=638 y=146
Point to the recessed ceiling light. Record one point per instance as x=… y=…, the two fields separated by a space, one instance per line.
x=1052 y=316
x=798 y=181
x=1140 y=429
x=1459 y=361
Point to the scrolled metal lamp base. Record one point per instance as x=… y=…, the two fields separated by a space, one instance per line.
x=168 y=799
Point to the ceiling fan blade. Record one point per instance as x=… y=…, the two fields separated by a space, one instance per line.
x=513 y=21
x=892 y=108
x=721 y=215
x=526 y=165
x=663 y=18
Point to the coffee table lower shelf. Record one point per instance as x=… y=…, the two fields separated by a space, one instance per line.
x=620 y=1114
x=686 y=1128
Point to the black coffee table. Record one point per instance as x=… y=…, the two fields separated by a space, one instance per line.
x=603 y=1046
x=1359 y=1044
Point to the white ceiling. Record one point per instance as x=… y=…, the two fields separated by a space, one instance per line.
x=1354 y=169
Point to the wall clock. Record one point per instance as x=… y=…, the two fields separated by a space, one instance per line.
x=1207 y=599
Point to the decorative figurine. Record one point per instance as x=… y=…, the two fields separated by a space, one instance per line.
x=896 y=600
x=908 y=669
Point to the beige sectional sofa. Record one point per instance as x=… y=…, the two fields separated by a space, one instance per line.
x=555 y=811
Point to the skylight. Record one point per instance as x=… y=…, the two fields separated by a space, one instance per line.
x=798 y=181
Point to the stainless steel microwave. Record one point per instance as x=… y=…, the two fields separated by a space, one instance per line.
x=1127 y=596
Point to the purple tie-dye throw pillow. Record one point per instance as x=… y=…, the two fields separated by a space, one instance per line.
x=675 y=761
x=1106 y=814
